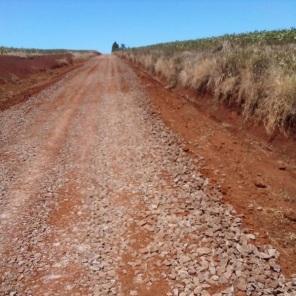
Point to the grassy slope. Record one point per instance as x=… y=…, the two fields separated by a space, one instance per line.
x=256 y=72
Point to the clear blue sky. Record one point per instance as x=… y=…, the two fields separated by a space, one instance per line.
x=91 y=24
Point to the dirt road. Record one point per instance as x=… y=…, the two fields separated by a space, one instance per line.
x=99 y=197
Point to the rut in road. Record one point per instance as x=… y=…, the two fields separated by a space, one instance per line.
x=99 y=197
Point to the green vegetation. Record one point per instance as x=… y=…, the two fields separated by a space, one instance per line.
x=254 y=72
x=2 y=50
x=35 y=51
x=116 y=47
x=278 y=37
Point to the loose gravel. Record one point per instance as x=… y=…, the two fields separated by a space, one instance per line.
x=112 y=203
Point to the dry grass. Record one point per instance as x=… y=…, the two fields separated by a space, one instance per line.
x=82 y=56
x=258 y=78
x=63 y=62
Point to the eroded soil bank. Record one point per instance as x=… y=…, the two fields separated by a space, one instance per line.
x=22 y=77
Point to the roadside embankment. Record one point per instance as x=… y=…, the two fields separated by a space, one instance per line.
x=21 y=77
x=253 y=73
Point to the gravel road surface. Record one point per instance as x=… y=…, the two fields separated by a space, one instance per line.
x=99 y=197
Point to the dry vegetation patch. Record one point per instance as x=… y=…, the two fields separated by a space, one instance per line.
x=255 y=72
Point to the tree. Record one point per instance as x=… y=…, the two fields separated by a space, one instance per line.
x=115 y=46
x=122 y=47
x=2 y=50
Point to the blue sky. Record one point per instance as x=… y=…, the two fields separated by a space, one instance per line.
x=91 y=24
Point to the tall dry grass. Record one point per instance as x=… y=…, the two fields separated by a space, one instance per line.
x=258 y=78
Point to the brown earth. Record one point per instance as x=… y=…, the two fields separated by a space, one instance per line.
x=256 y=172
x=22 y=67
x=104 y=193
x=21 y=77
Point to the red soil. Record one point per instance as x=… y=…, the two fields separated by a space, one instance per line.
x=256 y=173
x=23 y=67
x=22 y=77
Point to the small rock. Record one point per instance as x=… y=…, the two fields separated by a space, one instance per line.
x=260 y=184
x=281 y=166
x=272 y=253
x=290 y=215
x=203 y=251
x=251 y=236
x=172 y=276
x=191 y=271
x=241 y=284
x=184 y=259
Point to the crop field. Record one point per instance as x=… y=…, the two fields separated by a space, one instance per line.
x=277 y=37
x=253 y=72
x=36 y=51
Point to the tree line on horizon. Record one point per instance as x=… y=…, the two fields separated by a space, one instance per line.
x=116 y=46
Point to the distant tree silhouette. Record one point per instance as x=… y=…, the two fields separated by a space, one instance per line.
x=115 y=46
x=122 y=47
x=2 y=50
